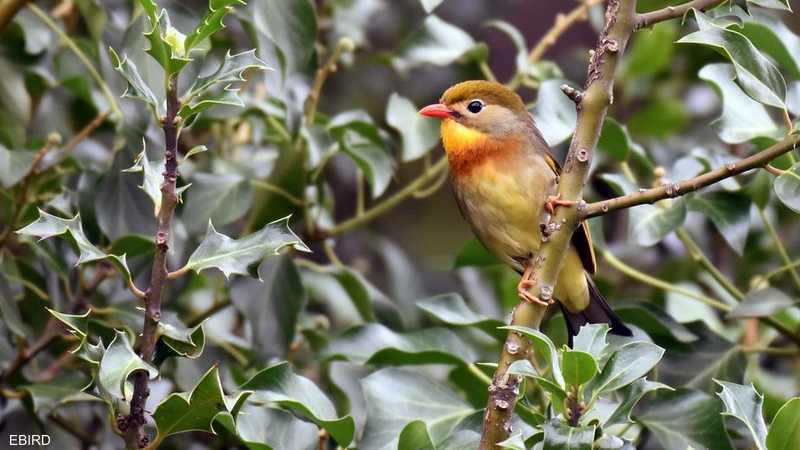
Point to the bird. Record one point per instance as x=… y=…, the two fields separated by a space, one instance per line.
x=505 y=181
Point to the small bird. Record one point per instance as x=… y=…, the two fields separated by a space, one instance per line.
x=505 y=179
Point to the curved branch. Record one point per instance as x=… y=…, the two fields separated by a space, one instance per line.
x=672 y=190
x=563 y=23
x=620 y=20
x=644 y=20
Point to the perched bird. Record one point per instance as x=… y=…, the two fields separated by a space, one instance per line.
x=504 y=178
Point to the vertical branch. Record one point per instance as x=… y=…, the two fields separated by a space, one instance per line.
x=592 y=106
x=135 y=436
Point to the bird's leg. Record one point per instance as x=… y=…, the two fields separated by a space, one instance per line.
x=554 y=201
x=526 y=283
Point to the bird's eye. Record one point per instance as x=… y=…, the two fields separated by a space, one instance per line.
x=475 y=106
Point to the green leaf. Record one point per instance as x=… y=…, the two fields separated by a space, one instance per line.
x=652 y=51
x=234 y=256
x=48 y=225
x=292 y=26
x=78 y=324
x=262 y=428
x=784 y=431
x=436 y=42
x=137 y=88
x=730 y=214
x=616 y=142
x=659 y=325
x=211 y=23
x=631 y=396
x=430 y=5
x=220 y=198
x=756 y=75
x=591 y=338
x=555 y=114
x=742 y=117
x=9 y=310
x=228 y=96
x=195 y=410
x=524 y=368
x=272 y=306
x=787 y=188
x=419 y=133
x=453 y=310
x=230 y=71
x=118 y=363
x=58 y=392
x=560 y=436
x=473 y=253
x=774 y=4
x=744 y=403
x=14 y=165
x=651 y=224
x=165 y=42
x=630 y=362
x=152 y=178
x=278 y=384
x=174 y=339
x=399 y=412
x=771 y=35
x=376 y=344
x=360 y=140
x=685 y=418
x=762 y=303
x=543 y=348
x=578 y=367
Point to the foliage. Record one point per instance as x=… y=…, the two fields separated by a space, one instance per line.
x=306 y=303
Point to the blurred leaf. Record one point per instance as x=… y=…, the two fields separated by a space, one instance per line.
x=398 y=420
x=169 y=54
x=453 y=310
x=772 y=36
x=15 y=102
x=118 y=363
x=473 y=253
x=292 y=26
x=518 y=39
x=514 y=442
x=228 y=96
x=211 y=23
x=360 y=139
x=784 y=431
x=762 y=303
x=351 y=19
x=651 y=223
x=271 y=306
x=263 y=428
x=742 y=118
x=744 y=403
x=652 y=51
x=787 y=188
x=555 y=114
x=9 y=311
x=543 y=348
x=436 y=42
x=616 y=142
x=122 y=208
x=760 y=189
x=48 y=225
x=756 y=75
x=45 y=397
x=137 y=88
x=376 y=344
x=660 y=118
x=430 y=5
x=94 y=15
x=578 y=367
x=685 y=418
x=591 y=338
x=14 y=165
x=775 y=4
x=278 y=384
x=629 y=362
x=560 y=436
x=655 y=322
x=234 y=256
x=730 y=214
x=631 y=396
x=195 y=411
x=420 y=134
x=221 y=198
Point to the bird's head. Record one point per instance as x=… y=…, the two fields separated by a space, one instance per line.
x=477 y=112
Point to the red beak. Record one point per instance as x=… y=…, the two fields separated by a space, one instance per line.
x=437 y=110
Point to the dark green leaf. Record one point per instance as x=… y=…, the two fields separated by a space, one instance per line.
x=784 y=432
x=234 y=256
x=685 y=418
x=762 y=303
x=616 y=142
x=292 y=26
x=771 y=35
x=453 y=310
x=560 y=436
x=58 y=392
x=787 y=188
x=730 y=214
x=211 y=23
x=137 y=87
x=278 y=384
x=167 y=45
x=399 y=413
x=631 y=396
x=630 y=362
x=174 y=339
x=578 y=367
x=263 y=428
x=744 y=403
x=420 y=134
x=118 y=363
x=14 y=165
x=371 y=158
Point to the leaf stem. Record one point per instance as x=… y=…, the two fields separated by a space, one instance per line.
x=793 y=265
x=702 y=260
x=480 y=374
x=112 y=101
x=215 y=308
x=671 y=12
x=781 y=248
x=326 y=70
x=269 y=187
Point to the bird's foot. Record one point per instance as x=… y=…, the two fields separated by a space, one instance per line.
x=554 y=201
x=527 y=297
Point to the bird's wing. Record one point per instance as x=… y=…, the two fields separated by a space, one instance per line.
x=582 y=238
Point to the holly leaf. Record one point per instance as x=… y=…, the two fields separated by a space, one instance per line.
x=211 y=23
x=560 y=436
x=167 y=44
x=230 y=71
x=137 y=88
x=744 y=403
x=118 y=363
x=234 y=256
x=730 y=214
x=48 y=225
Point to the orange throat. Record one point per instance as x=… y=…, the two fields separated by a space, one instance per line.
x=468 y=148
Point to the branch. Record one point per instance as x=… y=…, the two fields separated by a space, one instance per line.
x=562 y=24
x=326 y=70
x=135 y=436
x=620 y=17
x=644 y=20
x=672 y=190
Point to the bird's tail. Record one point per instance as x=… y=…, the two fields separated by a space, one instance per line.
x=598 y=311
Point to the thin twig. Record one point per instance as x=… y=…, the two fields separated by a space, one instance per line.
x=672 y=12
x=269 y=187
x=326 y=70
x=776 y=238
x=672 y=190
x=785 y=268
x=215 y=308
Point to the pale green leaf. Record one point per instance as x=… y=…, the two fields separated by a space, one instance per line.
x=744 y=403
x=419 y=134
x=211 y=22
x=118 y=363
